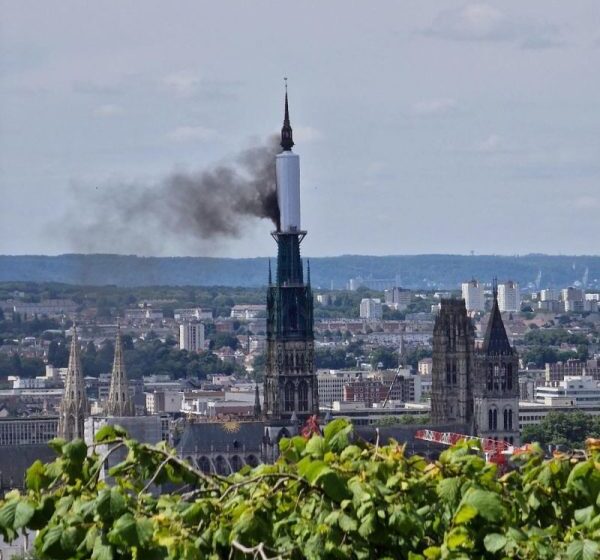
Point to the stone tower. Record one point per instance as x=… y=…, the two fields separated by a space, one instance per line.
x=496 y=386
x=74 y=405
x=452 y=368
x=119 y=400
x=290 y=387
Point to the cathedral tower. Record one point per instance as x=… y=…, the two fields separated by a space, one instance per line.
x=119 y=400
x=290 y=382
x=74 y=406
x=496 y=387
x=452 y=367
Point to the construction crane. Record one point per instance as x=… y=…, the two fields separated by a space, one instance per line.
x=496 y=451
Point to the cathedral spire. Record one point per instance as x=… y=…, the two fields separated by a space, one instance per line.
x=73 y=407
x=496 y=340
x=119 y=401
x=257 y=407
x=287 y=142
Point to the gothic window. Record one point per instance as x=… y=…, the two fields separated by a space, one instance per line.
x=509 y=380
x=510 y=419
x=288 y=397
x=496 y=376
x=303 y=396
x=490 y=377
x=454 y=372
x=504 y=373
x=505 y=419
x=492 y=419
x=204 y=464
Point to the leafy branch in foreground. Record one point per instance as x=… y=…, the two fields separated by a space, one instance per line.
x=327 y=497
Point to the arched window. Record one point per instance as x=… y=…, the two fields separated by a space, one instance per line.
x=503 y=380
x=494 y=419
x=490 y=420
x=490 y=377
x=303 y=396
x=496 y=375
x=288 y=396
x=204 y=464
x=510 y=419
x=509 y=374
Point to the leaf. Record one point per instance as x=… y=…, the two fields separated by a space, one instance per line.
x=464 y=514
x=448 y=489
x=347 y=523
x=458 y=538
x=494 y=542
x=36 y=476
x=75 y=450
x=333 y=485
x=488 y=504
x=312 y=469
x=7 y=514
x=583 y=550
x=107 y=432
x=316 y=447
x=584 y=515
x=57 y=444
x=101 y=551
x=124 y=531
x=23 y=514
x=52 y=539
x=432 y=552
x=145 y=531
x=333 y=427
x=110 y=503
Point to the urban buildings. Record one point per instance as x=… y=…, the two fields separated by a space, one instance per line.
x=398 y=298
x=580 y=391
x=473 y=294
x=371 y=309
x=509 y=297
x=191 y=337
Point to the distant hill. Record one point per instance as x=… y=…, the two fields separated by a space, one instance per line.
x=412 y=271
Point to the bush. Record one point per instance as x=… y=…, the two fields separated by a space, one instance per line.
x=324 y=498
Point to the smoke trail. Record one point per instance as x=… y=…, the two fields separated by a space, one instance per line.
x=207 y=205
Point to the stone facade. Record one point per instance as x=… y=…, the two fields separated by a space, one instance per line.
x=74 y=406
x=452 y=365
x=119 y=401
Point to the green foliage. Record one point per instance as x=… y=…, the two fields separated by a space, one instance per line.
x=327 y=497
x=560 y=428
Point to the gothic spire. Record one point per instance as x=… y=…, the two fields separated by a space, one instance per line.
x=257 y=408
x=496 y=340
x=287 y=142
x=119 y=401
x=73 y=407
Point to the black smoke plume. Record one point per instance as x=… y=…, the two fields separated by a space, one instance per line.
x=206 y=205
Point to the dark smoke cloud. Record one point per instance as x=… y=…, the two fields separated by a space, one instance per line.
x=207 y=205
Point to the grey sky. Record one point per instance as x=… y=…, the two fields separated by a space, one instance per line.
x=424 y=127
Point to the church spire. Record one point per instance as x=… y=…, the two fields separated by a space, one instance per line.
x=119 y=401
x=496 y=340
x=257 y=407
x=287 y=142
x=73 y=407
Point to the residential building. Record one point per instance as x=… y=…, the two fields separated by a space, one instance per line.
x=473 y=294
x=191 y=337
x=248 y=311
x=425 y=366
x=163 y=402
x=509 y=297
x=331 y=385
x=574 y=390
x=398 y=298
x=371 y=309
x=573 y=300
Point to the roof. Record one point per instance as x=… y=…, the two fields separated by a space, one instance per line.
x=221 y=435
x=496 y=340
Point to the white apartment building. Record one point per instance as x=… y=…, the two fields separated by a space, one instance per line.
x=398 y=298
x=192 y=314
x=509 y=297
x=371 y=309
x=548 y=295
x=573 y=300
x=425 y=366
x=249 y=311
x=331 y=385
x=158 y=402
x=574 y=390
x=472 y=293
x=191 y=337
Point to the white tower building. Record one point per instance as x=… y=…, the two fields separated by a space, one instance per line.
x=509 y=297
x=191 y=337
x=472 y=293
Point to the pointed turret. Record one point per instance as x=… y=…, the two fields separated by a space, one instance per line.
x=257 y=407
x=496 y=340
x=119 y=401
x=287 y=141
x=73 y=407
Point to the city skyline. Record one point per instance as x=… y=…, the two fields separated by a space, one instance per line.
x=486 y=111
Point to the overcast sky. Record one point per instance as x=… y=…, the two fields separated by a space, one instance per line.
x=423 y=127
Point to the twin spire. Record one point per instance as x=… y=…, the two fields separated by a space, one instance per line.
x=119 y=400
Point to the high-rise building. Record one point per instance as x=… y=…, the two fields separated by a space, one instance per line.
x=452 y=364
x=398 y=298
x=119 y=401
x=472 y=293
x=290 y=387
x=572 y=299
x=509 y=297
x=496 y=383
x=74 y=406
x=191 y=337
x=371 y=308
